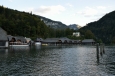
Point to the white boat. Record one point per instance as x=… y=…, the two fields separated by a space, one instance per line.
x=37 y=43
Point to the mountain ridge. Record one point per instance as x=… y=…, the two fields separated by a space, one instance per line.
x=58 y=24
x=52 y=23
x=104 y=28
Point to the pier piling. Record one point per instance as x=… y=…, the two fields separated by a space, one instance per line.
x=101 y=49
x=97 y=50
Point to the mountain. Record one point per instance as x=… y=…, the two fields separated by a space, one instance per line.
x=58 y=24
x=104 y=28
x=74 y=26
x=53 y=24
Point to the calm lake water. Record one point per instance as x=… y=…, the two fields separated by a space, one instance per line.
x=56 y=61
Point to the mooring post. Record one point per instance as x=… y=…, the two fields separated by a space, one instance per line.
x=97 y=49
x=101 y=49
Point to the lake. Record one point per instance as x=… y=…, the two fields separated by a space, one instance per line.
x=77 y=60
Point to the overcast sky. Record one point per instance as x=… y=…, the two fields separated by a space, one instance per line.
x=68 y=12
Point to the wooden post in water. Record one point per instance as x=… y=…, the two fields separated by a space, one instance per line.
x=101 y=49
x=97 y=50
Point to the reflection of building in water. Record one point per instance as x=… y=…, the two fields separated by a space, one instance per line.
x=4 y=52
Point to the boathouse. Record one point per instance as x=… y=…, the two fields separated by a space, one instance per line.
x=88 y=41
x=28 y=40
x=56 y=41
x=38 y=40
x=50 y=41
x=76 y=41
x=65 y=40
x=16 y=40
x=9 y=38
x=3 y=39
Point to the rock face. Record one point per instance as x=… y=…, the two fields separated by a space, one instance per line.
x=53 y=24
x=58 y=24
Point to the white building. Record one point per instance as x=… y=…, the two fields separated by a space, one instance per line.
x=77 y=34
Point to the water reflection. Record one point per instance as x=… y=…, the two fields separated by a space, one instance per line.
x=109 y=60
x=19 y=48
x=3 y=52
x=56 y=61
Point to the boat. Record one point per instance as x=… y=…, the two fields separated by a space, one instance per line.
x=37 y=43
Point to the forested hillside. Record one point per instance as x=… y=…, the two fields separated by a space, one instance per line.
x=25 y=24
x=104 y=28
x=21 y=23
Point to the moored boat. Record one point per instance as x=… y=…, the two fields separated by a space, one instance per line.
x=37 y=43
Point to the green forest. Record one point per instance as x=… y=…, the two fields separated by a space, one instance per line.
x=26 y=24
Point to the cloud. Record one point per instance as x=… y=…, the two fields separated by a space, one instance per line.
x=70 y=5
x=88 y=12
x=92 y=11
x=48 y=10
x=10 y=0
x=101 y=7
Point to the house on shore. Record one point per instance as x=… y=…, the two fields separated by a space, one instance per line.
x=28 y=40
x=65 y=40
x=56 y=41
x=59 y=41
x=88 y=42
x=38 y=40
x=49 y=41
x=17 y=40
x=3 y=39
x=77 y=34
x=76 y=41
